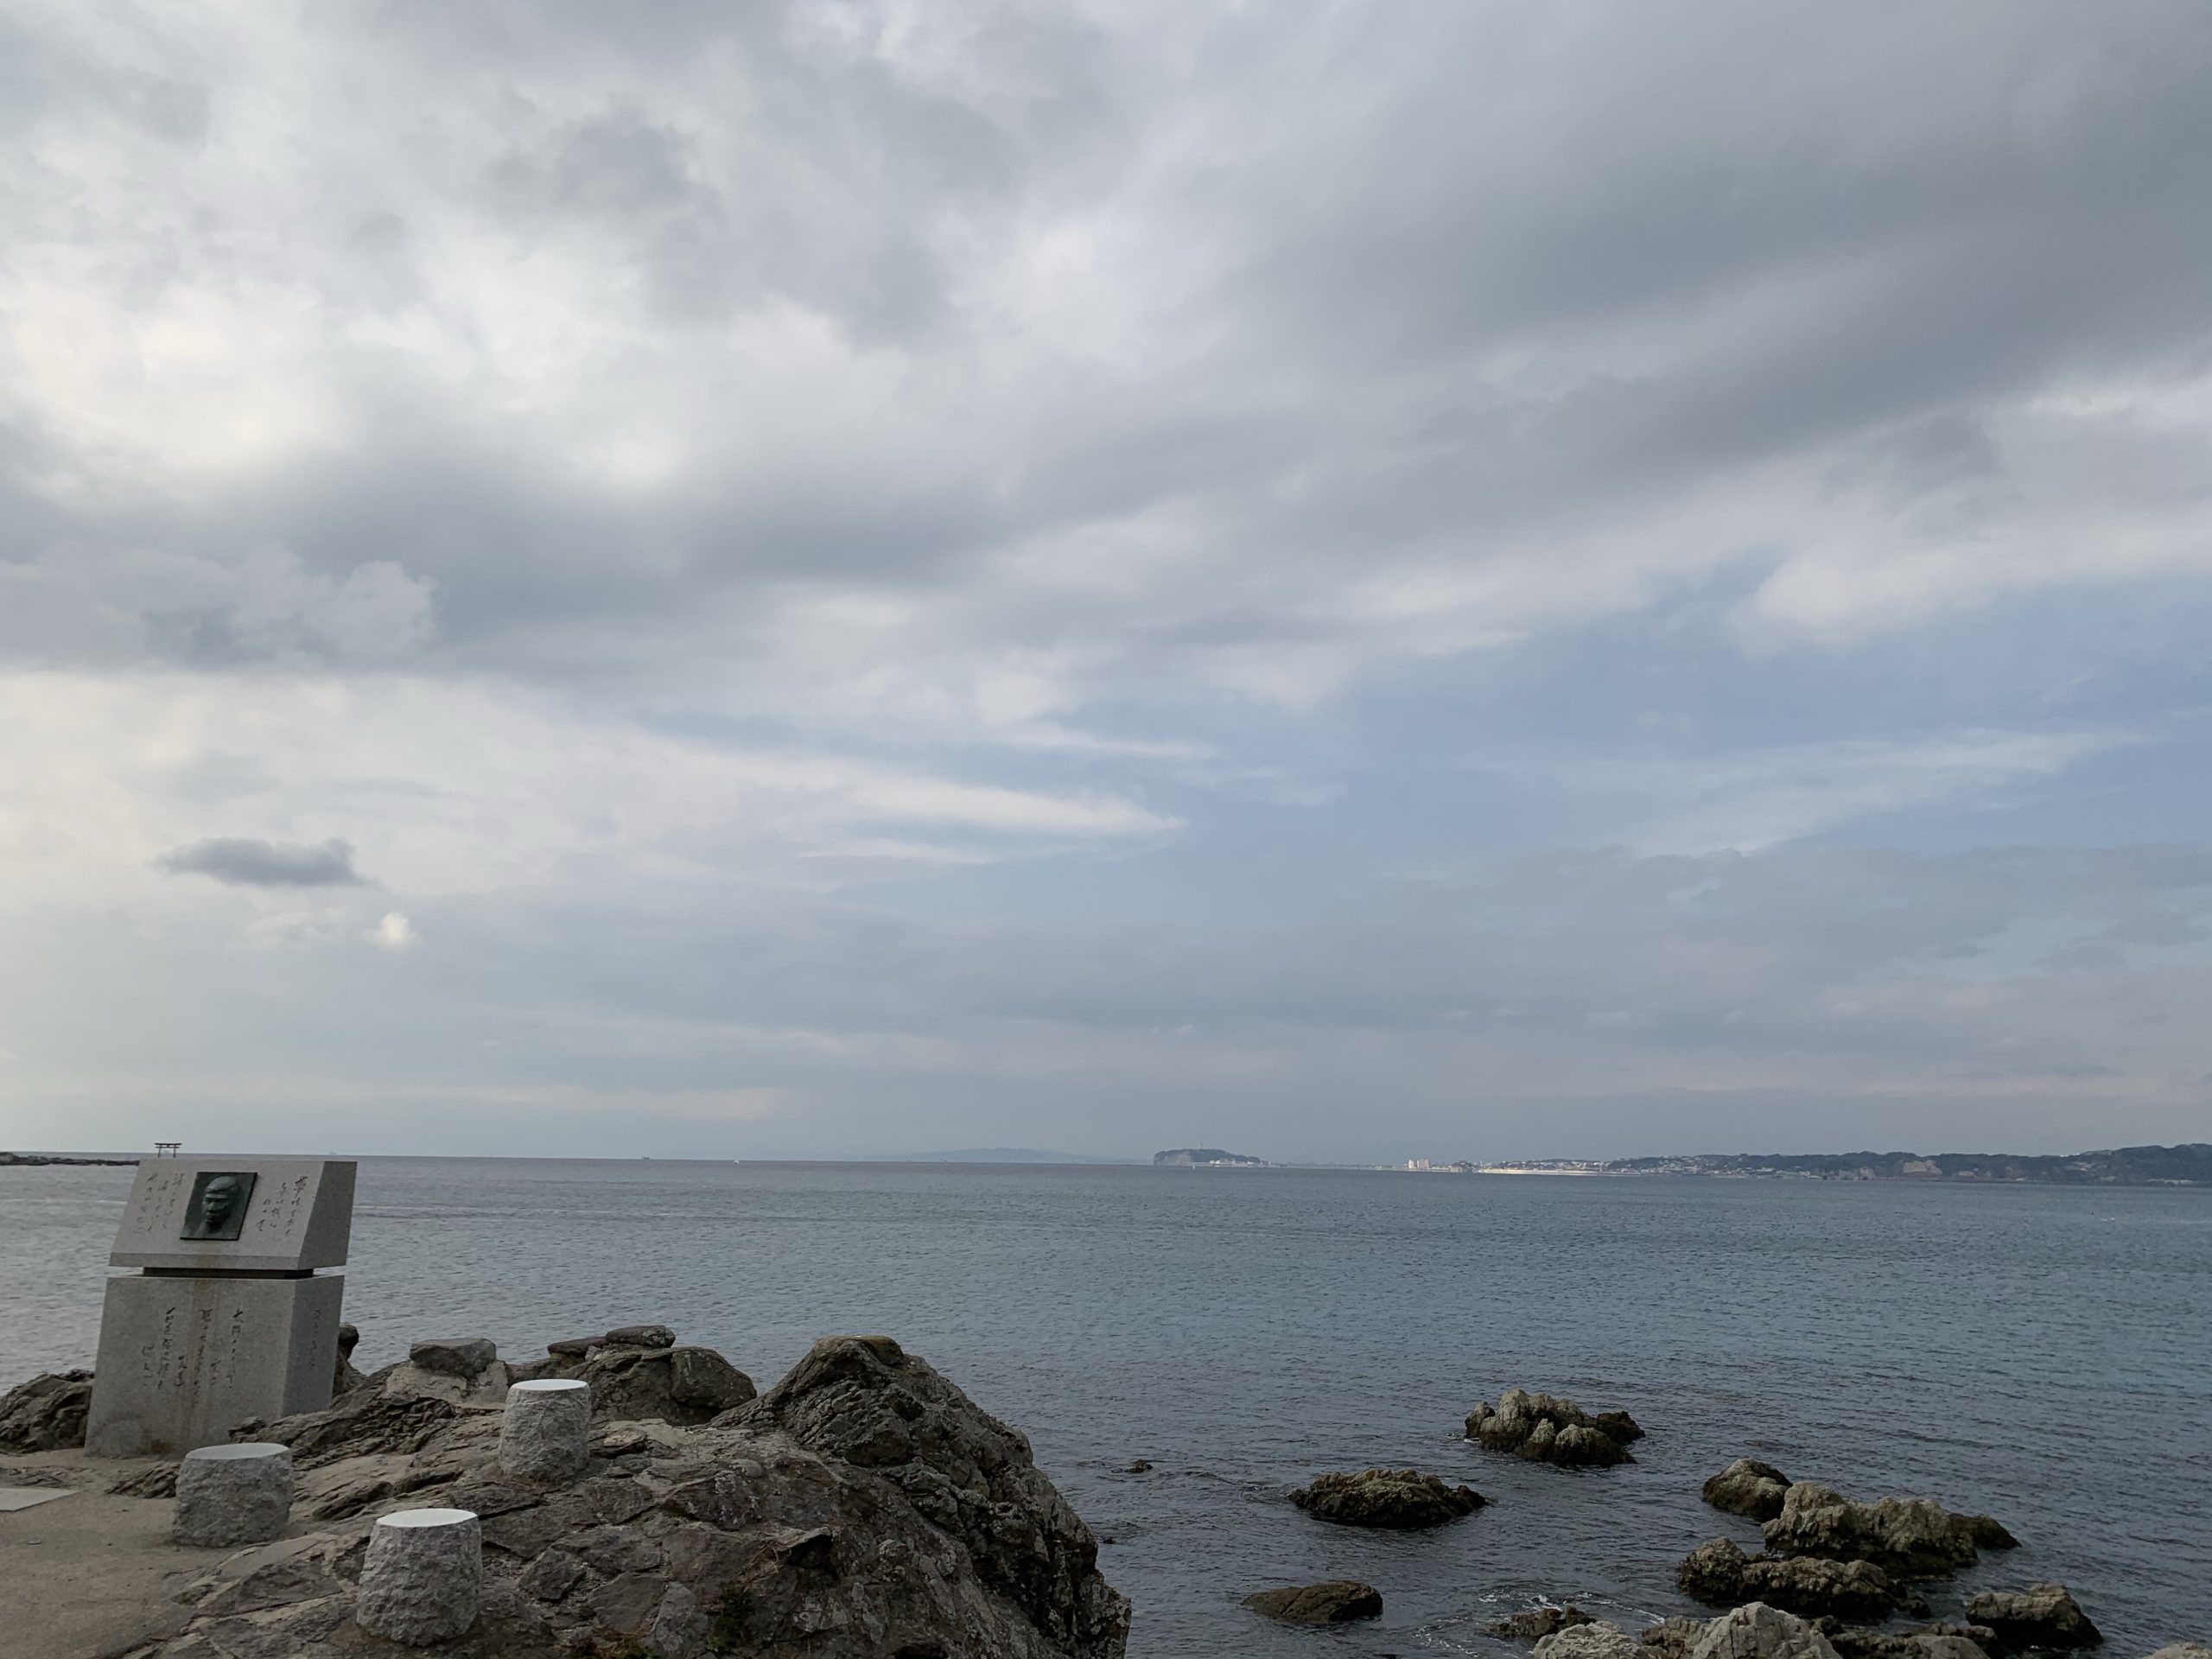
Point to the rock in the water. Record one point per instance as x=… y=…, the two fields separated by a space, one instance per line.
x=2041 y=1616
x=1538 y=1622
x=1337 y=1602
x=1547 y=1430
x=1386 y=1497
x=2184 y=1651
x=1748 y=1487
x=344 y=1379
x=1593 y=1639
x=867 y=1401
x=462 y=1356
x=1758 y=1630
x=1139 y=1466
x=1908 y=1537
x=634 y=1381
x=1722 y=1575
x=640 y=1335
x=1926 y=1641
x=865 y=1509
x=45 y=1413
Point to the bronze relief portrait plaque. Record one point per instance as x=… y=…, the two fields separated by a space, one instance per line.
x=216 y=1210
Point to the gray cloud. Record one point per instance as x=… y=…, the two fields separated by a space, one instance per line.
x=240 y=861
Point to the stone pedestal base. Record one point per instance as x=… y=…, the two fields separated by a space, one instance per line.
x=232 y=1495
x=421 y=1576
x=182 y=1361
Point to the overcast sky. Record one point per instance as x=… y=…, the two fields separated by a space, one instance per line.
x=1346 y=581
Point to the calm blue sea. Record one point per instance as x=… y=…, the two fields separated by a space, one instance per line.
x=2041 y=1353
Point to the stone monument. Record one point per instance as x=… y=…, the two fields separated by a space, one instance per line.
x=227 y=1318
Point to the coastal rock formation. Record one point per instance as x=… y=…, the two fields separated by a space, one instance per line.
x=1758 y=1630
x=2041 y=1616
x=1538 y=1622
x=1386 y=1497
x=1748 y=1487
x=1908 y=1537
x=865 y=1401
x=1545 y=1429
x=1720 y=1573
x=462 y=1356
x=634 y=1373
x=1338 y=1602
x=1592 y=1639
x=1924 y=1642
x=2184 y=1651
x=344 y=1378
x=45 y=1413
x=1672 y=1638
x=863 y=1509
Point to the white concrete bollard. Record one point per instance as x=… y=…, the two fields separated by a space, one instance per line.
x=232 y=1495
x=547 y=1430
x=421 y=1576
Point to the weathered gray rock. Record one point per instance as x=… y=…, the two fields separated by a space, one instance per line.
x=1672 y=1638
x=2182 y=1650
x=546 y=1429
x=343 y=1377
x=1907 y=1537
x=45 y=1413
x=864 y=1508
x=1537 y=1623
x=641 y=1336
x=1401 y=1498
x=422 y=1576
x=1593 y=1639
x=1748 y=1487
x=1757 y=1631
x=369 y=1419
x=462 y=1356
x=1338 y=1602
x=664 y=1383
x=1544 y=1429
x=867 y=1401
x=232 y=1495
x=2041 y=1616
x=1925 y=1642
x=1720 y=1573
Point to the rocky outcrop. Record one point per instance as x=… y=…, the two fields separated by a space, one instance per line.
x=1720 y=1574
x=639 y=1371
x=1758 y=1630
x=1544 y=1429
x=1338 y=1602
x=462 y=1356
x=1748 y=1487
x=1672 y=1638
x=2184 y=1651
x=864 y=1508
x=1924 y=1642
x=1538 y=1622
x=1593 y=1639
x=865 y=1401
x=2041 y=1616
x=344 y=1379
x=1402 y=1498
x=45 y=1413
x=1906 y=1537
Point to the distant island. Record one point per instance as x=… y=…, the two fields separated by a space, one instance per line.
x=42 y=1158
x=2189 y=1164
x=1203 y=1157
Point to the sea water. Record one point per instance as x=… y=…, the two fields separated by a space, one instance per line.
x=2041 y=1353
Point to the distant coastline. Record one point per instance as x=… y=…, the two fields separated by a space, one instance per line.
x=2187 y=1165
x=7 y=1159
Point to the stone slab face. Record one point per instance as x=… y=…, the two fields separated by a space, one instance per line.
x=183 y=1360
x=268 y=1215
